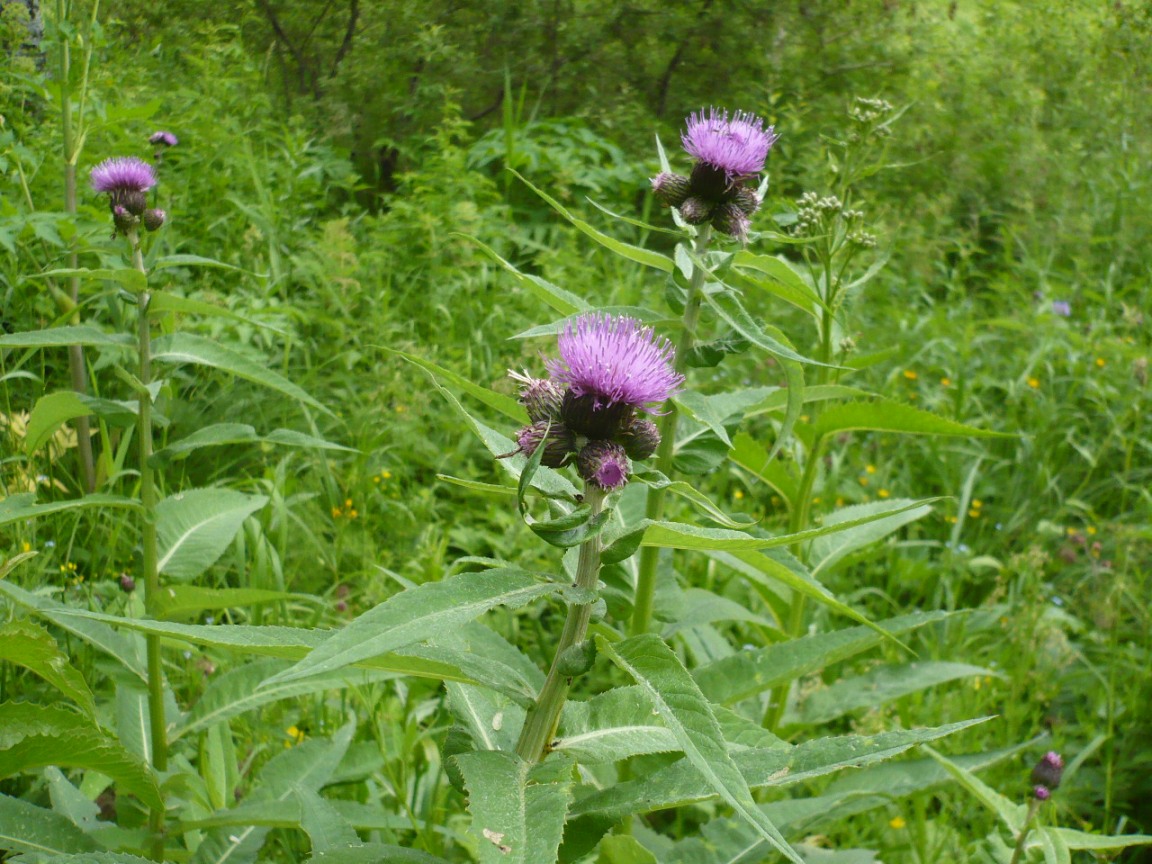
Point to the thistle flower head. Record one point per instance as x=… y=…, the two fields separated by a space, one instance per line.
x=123 y=174
x=603 y=464
x=1048 y=771
x=163 y=139
x=737 y=145
x=541 y=396
x=615 y=361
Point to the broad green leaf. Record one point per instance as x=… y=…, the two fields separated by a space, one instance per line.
x=24 y=827
x=775 y=275
x=26 y=644
x=238 y=691
x=633 y=253
x=615 y=725
x=754 y=459
x=688 y=715
x=16 y=508
x=81 y=334
x=1074 y=839
x=517 y=809
x=306 y=767
x=506 y=405
x=492 y=721
x=831 y=549
x=189 y=348
x=714 y=411
x=167 y=261
x=878 y=686
x=573 y=528
x=128 y=651
x=56 y=409
x=131 y=278
x=162 y=303
x=747 y=673
x=223 y=434
x=69 y=801
x=176 y=601
x=133 y=724
x=681 y=783
x=689 y=493
x=699 y=607
x=1009 y=812
x=564 y=302
x=323 y=824
x=882 y=415
x=34 y=736
x=418 y=614
x=195 y=527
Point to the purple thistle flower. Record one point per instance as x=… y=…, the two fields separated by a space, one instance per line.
x=1062 y=308
x=165 y=139
x=615 y=361
x=123 y=174
x=1042 y=793
x=737 y=145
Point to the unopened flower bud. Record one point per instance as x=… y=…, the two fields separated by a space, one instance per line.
x=747 y=200
x=1042 y=793
x=558 y=441
x=127 y=583
x=1048 y=771
x=163 y=139
x=541 y=396
x=154 y=218
x=603 y=464
x=134 y=200
x=577 y=659
x=670 y=188
x=731 y=220
x=640 y=438
x=695 y=211
x=589 y=416
x=123 y=220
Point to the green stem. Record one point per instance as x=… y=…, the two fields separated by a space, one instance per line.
x=544 y=716
x=75 y=352
x=150 y=572
x=1018 y=852
x=654 y=510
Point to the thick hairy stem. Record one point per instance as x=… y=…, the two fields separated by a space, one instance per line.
x=544 y=716
x=650 y=555
x=149 y=570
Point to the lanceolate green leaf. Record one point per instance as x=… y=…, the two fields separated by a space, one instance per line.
x=615 y=725
x=750 y=456
x=736 y=316
x=195 y=527
x=16 y=508
x=163 y=302
x=192 y=261
x=24 y=827
x=633 y=253
x=129 y=277
x=831 y=549
x=882 y=415
x=33 y=736
x=517 y=809
x=506 y=405
x=189 y=348
x=564 y=302
x=690 y=718
x=418 y=614
x=81 y=334
x=26 y=644
x=174 y=601
x=223 y=434
x=1009 y=812
x=56 y=409
x=747 y=673
x=682 y=783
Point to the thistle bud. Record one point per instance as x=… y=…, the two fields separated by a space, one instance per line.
x=731 y=220
x=1048 y=771
x=588 y=415
x=123 y=220
x=542 y=397
x=695 y=211
x=670 y=188
x=127 y=583
x=558 y=441
x=603 y=464
x=640 y=439
x=154 y=218
x=746 y=199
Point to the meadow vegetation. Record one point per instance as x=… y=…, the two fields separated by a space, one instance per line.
x=931 y=355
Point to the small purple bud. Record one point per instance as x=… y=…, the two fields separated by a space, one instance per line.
x=640 y=439
x=541 y=396
x=603 y=464
x=154 y=218
x=731 y=220
x=1042 y=793
x=127 y=583
x=163 y=139
x=123 y=220
x=1048 y=771
x=559 y=442
x=1062 y=308
x=671 y=189
x=695 y=211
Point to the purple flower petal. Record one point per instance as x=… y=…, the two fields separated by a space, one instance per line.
x=738 y=146
x=123 y=174
x=163 y=138
x=616 y=360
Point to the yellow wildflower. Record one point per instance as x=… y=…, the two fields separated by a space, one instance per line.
x=911 y=374
x=896 y=823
